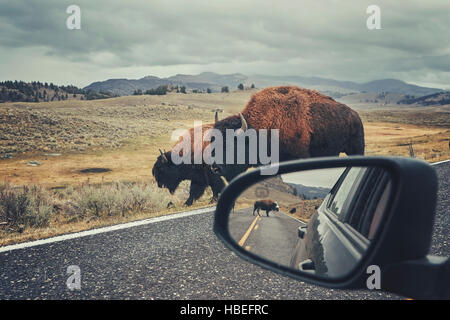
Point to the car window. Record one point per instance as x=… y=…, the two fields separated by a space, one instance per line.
x=342 y=194
x=369 y=195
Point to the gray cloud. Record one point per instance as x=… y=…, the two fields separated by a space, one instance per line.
x=130 y=39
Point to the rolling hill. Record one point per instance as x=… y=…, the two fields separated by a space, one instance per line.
x=215 y=82
x=439 y=98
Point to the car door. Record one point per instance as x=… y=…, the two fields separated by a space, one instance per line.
x=338 y=233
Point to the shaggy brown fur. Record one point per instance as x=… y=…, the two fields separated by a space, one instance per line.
x=310 y=123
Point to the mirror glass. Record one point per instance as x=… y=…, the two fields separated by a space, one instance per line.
x=319 y=222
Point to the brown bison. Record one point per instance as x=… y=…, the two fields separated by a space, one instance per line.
x=266 y=205
x=309 y=123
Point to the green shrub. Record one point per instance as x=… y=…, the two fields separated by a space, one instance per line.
x=33 y=206
x=118 y=199
x=25 y=206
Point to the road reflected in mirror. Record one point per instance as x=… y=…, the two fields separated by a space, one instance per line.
x=317 y=221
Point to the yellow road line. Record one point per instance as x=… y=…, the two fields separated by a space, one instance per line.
x=247 y=234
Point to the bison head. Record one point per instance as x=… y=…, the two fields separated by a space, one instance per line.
x=166 y=173
x=275 y=206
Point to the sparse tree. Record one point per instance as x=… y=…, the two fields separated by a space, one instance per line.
x=241 y=86
x=225 y=89
x=161 y=90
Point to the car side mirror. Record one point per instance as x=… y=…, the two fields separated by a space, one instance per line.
x=354 y=222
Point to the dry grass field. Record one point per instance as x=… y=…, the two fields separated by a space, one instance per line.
x=391 y=132
x=74 y=144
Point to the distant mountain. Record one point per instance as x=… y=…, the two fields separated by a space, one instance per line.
x=440 y=98
x=337 y=88
x=215 y=82
x=396 y=86
x=201 y=82
x=211 y=79
x=371 y=98
x=126 y=87
x=307 y=192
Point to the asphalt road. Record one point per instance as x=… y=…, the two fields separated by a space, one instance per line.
x=170 y=259
x=273 y=237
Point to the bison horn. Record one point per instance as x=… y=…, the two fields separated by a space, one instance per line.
x=216 y=117
x=244 y=126
x=225 y=182
x=164 y=159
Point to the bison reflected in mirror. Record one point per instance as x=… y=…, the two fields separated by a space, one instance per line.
x=265 y=205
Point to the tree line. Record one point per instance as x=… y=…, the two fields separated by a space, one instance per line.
x=20 y=91
x=162 y=90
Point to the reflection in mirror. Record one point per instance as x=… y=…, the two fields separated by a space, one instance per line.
x=317 y=221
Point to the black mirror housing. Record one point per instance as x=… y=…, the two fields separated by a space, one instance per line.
x=405 y=234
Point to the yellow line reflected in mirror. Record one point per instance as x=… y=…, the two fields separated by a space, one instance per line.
x=247 y=233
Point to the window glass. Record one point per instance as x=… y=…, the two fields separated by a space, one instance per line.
x=343 y=192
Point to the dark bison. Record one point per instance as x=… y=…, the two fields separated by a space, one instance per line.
x=169 y=175
x=266 y=205
x=309 y=123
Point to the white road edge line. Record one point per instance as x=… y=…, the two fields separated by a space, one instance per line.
x=443 y=161
x=106 y=229
x=298 y=220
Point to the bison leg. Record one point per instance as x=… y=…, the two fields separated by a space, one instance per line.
x=355 y=145
x=214 y=199
x=217 y=185
x=355 y=148
x=195 y=192
x=267 y=212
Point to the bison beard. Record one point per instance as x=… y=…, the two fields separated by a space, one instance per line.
x=309 y=123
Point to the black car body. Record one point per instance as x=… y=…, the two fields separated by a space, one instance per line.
x=339 y=232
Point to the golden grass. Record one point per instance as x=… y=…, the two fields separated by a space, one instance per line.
x=132 y=162
x=62 y=225
x=146 y=128
x=391 y=139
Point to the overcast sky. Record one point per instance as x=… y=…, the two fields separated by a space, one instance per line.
x=132 y=39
